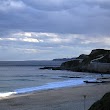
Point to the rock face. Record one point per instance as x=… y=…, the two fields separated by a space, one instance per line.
x=97 y=61
x=70 y=65
x=103 y=104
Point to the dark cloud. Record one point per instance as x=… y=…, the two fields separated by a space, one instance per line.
x=61 y=16
x=51 y=26
x=50 y=5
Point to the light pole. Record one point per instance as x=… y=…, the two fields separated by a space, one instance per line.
x=84 y=102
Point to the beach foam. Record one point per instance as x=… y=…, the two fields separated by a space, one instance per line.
x=6 y=94
x=52 y=85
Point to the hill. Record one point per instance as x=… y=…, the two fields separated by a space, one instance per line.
x=97 y=61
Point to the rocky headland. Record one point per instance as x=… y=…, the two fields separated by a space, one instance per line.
x=97 y=61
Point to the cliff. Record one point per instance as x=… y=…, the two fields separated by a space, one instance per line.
x=102 y=104
x=97 y=61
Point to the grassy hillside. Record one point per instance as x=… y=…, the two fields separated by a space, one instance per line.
x=82 y=62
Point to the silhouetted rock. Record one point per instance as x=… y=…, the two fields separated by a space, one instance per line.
x=102 y=104
x=70 y=64
x=82 y=56
x=52 y=68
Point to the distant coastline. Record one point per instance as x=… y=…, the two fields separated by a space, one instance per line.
x=31 y=63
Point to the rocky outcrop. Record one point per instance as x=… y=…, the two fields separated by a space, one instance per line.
x=50 y=68
x=102 y=104
x=97 y=61
x=82 y=56
x=70 y=65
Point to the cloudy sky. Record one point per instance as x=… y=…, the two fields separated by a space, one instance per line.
x=47 y=29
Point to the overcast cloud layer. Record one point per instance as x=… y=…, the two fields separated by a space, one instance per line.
x=39 y=29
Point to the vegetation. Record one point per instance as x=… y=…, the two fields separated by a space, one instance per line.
x=97 y=61
x=82 y=63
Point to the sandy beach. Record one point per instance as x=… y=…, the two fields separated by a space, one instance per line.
x=71 y=98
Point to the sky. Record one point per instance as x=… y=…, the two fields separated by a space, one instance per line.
x=48 y=29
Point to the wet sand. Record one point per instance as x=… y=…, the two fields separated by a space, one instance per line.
x=70 y=98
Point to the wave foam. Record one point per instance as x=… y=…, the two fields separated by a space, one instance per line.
x=6 y=94
x=50 y=86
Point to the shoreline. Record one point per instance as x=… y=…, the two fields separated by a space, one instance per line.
x=75 y=82
x=46 y=87
x=57 y=99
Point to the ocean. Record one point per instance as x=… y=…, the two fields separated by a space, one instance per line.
x=25 y=79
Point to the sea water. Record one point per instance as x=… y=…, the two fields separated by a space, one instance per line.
x=25 y=79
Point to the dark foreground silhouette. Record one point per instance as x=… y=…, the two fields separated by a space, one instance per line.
x=102 y=104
